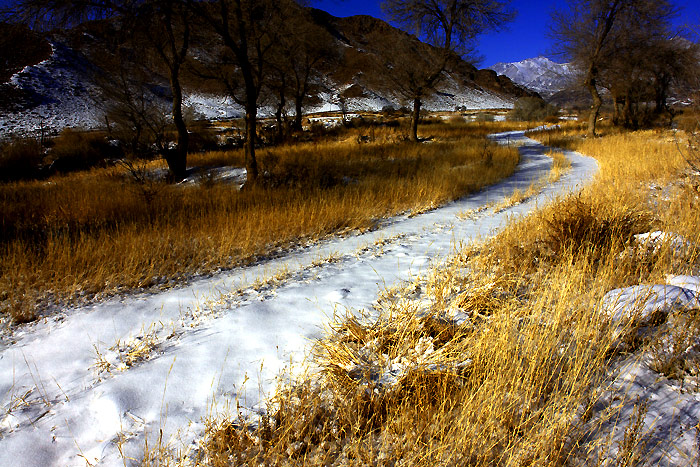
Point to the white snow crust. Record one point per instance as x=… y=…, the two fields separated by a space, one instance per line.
x=640 y=302
x=666 y=410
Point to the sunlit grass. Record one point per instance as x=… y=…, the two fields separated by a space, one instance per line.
x=92 y=233
x=500 y=358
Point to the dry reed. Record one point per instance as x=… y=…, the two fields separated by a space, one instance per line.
x=88 y=234
x=500 y=359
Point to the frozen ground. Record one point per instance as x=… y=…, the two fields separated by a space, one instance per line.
x=90 y=385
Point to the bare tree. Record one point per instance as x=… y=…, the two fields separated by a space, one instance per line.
x=673 y=63
x=450 y=26
x=164 y=23
x=303 y=55
x=247 y=31
x=311 y=54
x=591 y=32
x=167 y=26
x=133 y=114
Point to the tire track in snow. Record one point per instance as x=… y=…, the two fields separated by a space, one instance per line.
x=221 y=339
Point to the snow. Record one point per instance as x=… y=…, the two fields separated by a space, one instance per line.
x=539 y=74
x=92 y=384
x=654 y=241
x=666 y=409
x=212 y=106
x=228 y=175
x=667 y=435
x=641 y=302
x=61 y=88
x=687 y=282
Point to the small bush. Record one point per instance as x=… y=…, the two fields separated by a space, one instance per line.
x=389 y=111
x=485 y=117
x=579 y=225
x=76 y=150
x=531 y=109
x=202 y=138
x=20 y=159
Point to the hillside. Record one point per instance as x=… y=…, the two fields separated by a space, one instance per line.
x=49 y=91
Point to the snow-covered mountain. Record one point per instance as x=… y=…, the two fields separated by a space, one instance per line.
x=539 y=74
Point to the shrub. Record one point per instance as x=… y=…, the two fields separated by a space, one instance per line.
x=531 y=109
x=485 y=117
x=20 y=159
x=389 y=110
x=579 y=225
x=77 y=150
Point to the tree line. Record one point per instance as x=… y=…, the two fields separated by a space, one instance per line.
x=631 y=49
x=255 y=51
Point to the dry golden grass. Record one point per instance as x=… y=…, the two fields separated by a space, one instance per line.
x=499 y=355
x=85 y=234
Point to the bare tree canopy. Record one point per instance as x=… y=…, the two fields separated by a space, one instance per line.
x=249 y=31
x=160 y=25
x=609 y=37
x=449 y=25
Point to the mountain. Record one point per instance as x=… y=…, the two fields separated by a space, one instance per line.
x=56 y=86
x=539 y=74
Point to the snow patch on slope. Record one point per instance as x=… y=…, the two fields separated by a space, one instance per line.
x=62 y=94
x=60 y=90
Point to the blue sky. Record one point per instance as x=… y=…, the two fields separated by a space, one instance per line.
x=525 y=37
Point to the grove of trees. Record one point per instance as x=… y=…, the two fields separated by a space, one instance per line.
x=255 y=51
x=628 y=47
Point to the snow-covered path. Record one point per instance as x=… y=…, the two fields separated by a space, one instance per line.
x=91 y=384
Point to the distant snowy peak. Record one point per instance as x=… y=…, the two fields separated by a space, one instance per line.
x=539 y=74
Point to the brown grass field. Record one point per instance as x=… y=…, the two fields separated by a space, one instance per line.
x=89 y=234
x=500 y=360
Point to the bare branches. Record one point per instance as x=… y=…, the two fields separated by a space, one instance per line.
x=610 y=37
x=450 y=26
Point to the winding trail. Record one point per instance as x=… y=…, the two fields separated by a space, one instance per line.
x=91 y=384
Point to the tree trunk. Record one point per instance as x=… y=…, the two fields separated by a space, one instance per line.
x=177 y=160
x=628 y=111
x=415 y=118
x=278 y=117
x=660 y=99
x=298 y=116
x=617 y=113
x=251 y=164
x=597 y=104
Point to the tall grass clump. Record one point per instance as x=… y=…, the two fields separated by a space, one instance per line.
x=498 y=356
x=85 y=234
x=20 y=159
